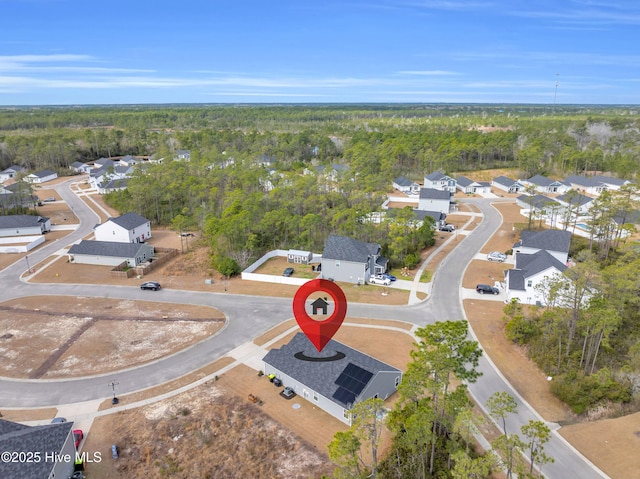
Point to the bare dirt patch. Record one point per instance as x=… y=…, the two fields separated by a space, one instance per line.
x=62 y=336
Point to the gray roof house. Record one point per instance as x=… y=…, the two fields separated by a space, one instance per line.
x=50 y=446
x=542 y=184
x=23 y=225
x=555 y=242
x=109 y=253
x=592 y=185
x=347 y=259
x=335 y=384
x=80 y=167
x=41 y=176
x=505 y=183
x=431 y=199
x=11 y=172
x=406 y=186
x=439 y=181
x=575 y=202
x=540 y=203
x=113 y=185
x=530 y=271
x=128 y=228
x=469 y=186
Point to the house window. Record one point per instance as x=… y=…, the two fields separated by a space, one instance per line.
x=337 y=264
x=397 y=382
x=529 y=283
x=315 y=396
x=345 y=413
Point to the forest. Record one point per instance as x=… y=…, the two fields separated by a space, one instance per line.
x=287 y=176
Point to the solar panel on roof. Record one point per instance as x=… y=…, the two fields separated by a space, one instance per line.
x=353 y=378
x=344 y=396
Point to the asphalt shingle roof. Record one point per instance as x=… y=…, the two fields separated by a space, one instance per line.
x=548 y=240
x=574 y=199
x=610 y=180
x=433 y=194
x=43 y=173
x=129 y=220
x=539 y=201
x=320 y=376
x=348 y=249
x=504 y=180
x=436 y=176
x=15 y=437
x=541 y=180
x=402 y=181
x=464 y=181
x=20 y=221
x=583 y=180
x=107 y=248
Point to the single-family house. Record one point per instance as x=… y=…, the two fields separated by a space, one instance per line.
x=79 y=167
x=531 y=270
x=542 y=205
x=469 y=186
x=439 y=181
x=347 y=259
x=182 y=155
x=17 y=194
x=611 y=183
x=575 y=203
x=109 y=253
x=542 y=184
x=156 y=158
x=406 y=186
x=590 y=185
x=439 y=218
x=46 y=451
x=431 y=199
x=106 y=162
x=23 y=225
x=128 y=228
x=554 y=242
x=505 y=183
x=129 y=160
x=335 y=379
x=110 y=186
x=41 y=176
x=10 y=173
x=299 y=257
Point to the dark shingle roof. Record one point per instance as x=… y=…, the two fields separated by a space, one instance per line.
x=436 y=176
x=21 y=221
x=583 y=180
x=436 y=215
x=402 y=181
x=575 y=199
x=44 y=173
x=504 y=180
x=129 y=220
x=548 y=240
x=610 y=180
x=41 y=439
x=464 y=181
x=541 y=180
x=433 y=194
x=348 y=249
x=107 y=248
x=114 y=184
x=539 y=201
x=321 y=376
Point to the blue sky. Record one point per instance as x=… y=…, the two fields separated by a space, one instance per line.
x=139 y=51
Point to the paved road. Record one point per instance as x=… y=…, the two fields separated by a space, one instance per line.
x=250 y=316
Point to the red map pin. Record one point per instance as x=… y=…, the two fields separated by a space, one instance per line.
x=319 y=332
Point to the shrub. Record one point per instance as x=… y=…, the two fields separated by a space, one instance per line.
x=520 y=330
x=411 y=260
x=582 y=392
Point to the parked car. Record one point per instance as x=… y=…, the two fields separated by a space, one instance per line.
x=497 y=256
x=77 y=437
x=379 y=279
x=51 y=199
x=390 y=276
x=487 y=289
x=288 y=393
x=153 y=285
x=448 y=228
x=288 y=272
x=58 y=420
x=277 y=382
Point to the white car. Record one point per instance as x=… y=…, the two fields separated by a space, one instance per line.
x=497 y=256
x=379 y=279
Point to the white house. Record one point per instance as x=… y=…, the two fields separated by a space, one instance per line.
x=406 y=186
x=23 y=225
x=554 y=242
x=505 y=183
x=335 y=379
x=439 y=181
x=586 y=184
x=610 y=182
x=10 y=173
x=530 y=271
x=109 y=253
x=113 y=185
x=350 y=260
x=182 y=155
x=80 y=167
x=434 y=200
x=542 y=184
x=40 y=177
x=469 y=186
x=575 y=202
x=128 y=228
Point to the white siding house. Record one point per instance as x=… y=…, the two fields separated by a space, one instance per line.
x=531 y=270
x=128 y=228
x=109 y=253
x=554 y=242
x=542 y=184
x=434 y=200
x=41 y=177
x=439 y=181
x=507 y=184
x=23 y=225
x=344 y=378
x=406 y=186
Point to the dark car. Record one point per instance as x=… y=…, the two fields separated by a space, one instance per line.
x=277 y=382
x=389 y=276
x=152 y=285
x=487 y=289
x=288 y=272
x=288 y=393
x=77 y=437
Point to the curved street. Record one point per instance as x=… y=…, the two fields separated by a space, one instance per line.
x=249 y=317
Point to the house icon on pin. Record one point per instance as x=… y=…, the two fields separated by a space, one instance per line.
x=320 y=303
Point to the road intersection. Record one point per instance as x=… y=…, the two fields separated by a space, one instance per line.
x=249 y=317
